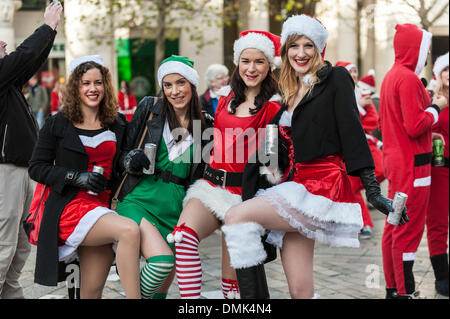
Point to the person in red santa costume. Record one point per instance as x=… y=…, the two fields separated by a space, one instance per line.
x=245 y=109
x=438 y=208
x=127 y=100
x=406 y=119
x=364 y=89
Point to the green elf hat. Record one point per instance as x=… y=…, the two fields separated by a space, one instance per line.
x=181 y=65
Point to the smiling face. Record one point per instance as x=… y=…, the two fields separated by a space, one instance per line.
x=301 y=54
x=91 y=88
x=178 y=90
x=253 y=67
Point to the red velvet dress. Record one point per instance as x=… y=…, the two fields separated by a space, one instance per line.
x=315 y=197
x=235 y=140
x=85 y=209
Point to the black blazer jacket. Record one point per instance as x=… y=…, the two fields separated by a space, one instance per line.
x=59 y=149
x=325 y=122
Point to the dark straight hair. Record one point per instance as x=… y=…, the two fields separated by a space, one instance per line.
x=194 y=112
x=268 y=89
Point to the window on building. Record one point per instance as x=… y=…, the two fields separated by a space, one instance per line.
x=33 y=4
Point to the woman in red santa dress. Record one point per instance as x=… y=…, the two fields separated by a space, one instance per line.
x=437 y=214
x=314 y=201
x=244 y=110
x=364 y=88
x=127 y=100
x=77 y=222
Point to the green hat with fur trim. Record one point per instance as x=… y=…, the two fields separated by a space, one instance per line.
x=180 y=65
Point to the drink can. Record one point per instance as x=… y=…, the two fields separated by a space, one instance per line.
x=398 y=204
x=150 y=151
x=271 y=139
x=438 y=153
x=96 y=169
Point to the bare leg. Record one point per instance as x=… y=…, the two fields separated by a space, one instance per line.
x=112 y=228
x=199 y=218
x=297 y=257
x=95 y=262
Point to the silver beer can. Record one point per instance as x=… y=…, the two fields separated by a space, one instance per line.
x=96 y=169
x=271 y=139
x=398 y=204
x=150 y=151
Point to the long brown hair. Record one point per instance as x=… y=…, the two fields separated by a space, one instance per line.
x=108 y=107
x=289 y=81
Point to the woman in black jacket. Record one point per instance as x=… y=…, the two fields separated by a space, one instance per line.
x=154 y=199
x=320 y=126
x=77 y=221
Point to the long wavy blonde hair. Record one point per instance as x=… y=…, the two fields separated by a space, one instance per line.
x=289 y=80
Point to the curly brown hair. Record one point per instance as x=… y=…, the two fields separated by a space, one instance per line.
x=108 y=109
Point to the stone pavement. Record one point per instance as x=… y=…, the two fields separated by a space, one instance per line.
x=339 y=273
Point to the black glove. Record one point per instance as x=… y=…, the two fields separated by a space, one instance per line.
x=135 y=161
x=373 y=194
x=90 y=180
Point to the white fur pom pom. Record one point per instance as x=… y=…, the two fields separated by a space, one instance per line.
x=170 y=238
x=178 y=237
x=371 y=72
x=308 y=79
x=231 y=294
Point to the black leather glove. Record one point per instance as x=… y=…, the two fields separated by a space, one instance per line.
x=90 y=180
x=135 y=161
x=373 y=194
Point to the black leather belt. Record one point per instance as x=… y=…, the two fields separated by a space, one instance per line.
x=168 y=177
x=422 y=159
x=222 y=178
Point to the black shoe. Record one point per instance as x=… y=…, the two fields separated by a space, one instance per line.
x=441 y=287
x=252 y=282
x=391 y=293
x=414 y=295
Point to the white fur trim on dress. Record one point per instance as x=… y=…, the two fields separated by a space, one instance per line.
x=68 y=251
x=254 y=41
x=314 y=216
x=95 y=141
x=217 y=199
x=224 y=91
x=244 y=244
x=175 y=67
x=440 y=64
x=423 y=51
x=307 y=26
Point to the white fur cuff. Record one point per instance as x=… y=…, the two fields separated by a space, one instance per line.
x=273 y=177
x=244 y=244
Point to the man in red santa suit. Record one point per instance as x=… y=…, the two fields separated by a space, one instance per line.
x=406 y=118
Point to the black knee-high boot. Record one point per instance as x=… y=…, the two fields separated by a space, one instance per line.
x=252 y=282
x=440 y=268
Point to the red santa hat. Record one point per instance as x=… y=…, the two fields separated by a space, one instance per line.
x=308 y=26
x=347 y=65
x=264 y=41
x=367 y=82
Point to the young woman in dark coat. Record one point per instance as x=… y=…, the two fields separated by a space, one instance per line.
x=77 y=222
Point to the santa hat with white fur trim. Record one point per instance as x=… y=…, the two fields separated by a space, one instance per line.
x=347 y=65
x=440 y=64
x=308 y=26
x=264 y=41
x=368 y=82
x=88 y=58
x=180 y=65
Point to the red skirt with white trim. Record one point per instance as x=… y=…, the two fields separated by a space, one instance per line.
x=318 y=202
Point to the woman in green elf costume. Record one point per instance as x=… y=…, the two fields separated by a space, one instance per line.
x=154 y=201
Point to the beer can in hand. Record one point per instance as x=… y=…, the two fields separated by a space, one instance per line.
x=438 y=153
x=271 y=139
x=150 y=151
x=398 y=204
x=96 y=169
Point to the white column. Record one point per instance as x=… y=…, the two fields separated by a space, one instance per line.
x=88 y=31
x=7 y=10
